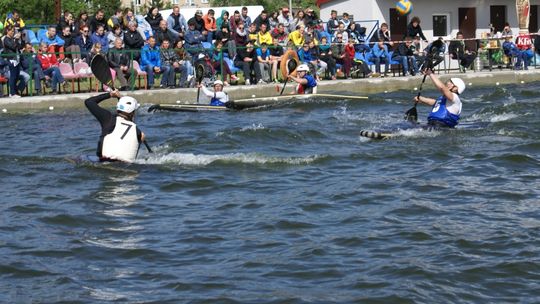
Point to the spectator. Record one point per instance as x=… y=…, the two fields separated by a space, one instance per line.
x=332 y=24
x=245 y=17
x=341 y=57
x=16 y=21
x=325 y=54
x=210 y=24
x=345 y=20
x=12 y=46
x=70 y=45
x=49 y=65
x=219 y=65
x=163 y=33
x=127 y=17
x=262 y=19
x=310 y=18
x=115 y=19
x=280 y=35
x=525 y=47
x=115 y=33
x=286 y=19
x=121 y=63
x=199 y=22
x=297 y=36
x=507 y=30
x=171 y=61
x=153 y=18
x=224 y=36
x=252 y=33
x=405 y=55
x=240 y=35
x=384 y=33
x=31 y=65
x=151 y=63
x=342 y=31
x=414 y=29
x=319 y=31
x=194 y=39
x=379 y=54
x=82 y=20
x=84 y=42
x=245 y=60
x=306 y=58
x=264 y=37
x=99 y=37
x=309 y=35
x=184 y=58
x=358 y=33
x=419 y=54
x=133 y=40
x=96 y=50
x=223 y=19
x=67 y=20
x=234 y=21
x=263 y=65
x=176 y=22
x=273 y=21
x=96 y=20
x=299 y=19
x=319 y=64
x=55 y=43
x=459 y=51
x=276 y=54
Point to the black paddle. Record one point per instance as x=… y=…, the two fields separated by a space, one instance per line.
x=199 y=75
x=412 y=114
x=291 y=66
x=100 y=69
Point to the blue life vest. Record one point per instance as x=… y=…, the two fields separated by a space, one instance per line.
x=216 y=101
x=307 y=88
x=440 y=113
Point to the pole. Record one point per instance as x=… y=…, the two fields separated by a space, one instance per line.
x=57 y=9
x=290 y=6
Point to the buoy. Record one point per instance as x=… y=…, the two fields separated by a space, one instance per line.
x=51 y=108
x=385 y=92
x=253 y=96
x=4 y=110
x=178 y=101
x=470 y=83
x=522 y=81
x=416 y=89
x=497 y=83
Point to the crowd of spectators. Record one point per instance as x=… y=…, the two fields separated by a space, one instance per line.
x=172 y=47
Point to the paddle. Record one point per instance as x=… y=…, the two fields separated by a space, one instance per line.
x=291 y=66
x=100 y=69
x=412 y=114
x=199 y=74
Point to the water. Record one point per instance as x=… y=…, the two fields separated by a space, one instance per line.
x=288 y=205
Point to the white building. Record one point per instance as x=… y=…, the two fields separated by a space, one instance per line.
x=440 y=18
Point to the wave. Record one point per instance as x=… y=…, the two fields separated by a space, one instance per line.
x=191 y=159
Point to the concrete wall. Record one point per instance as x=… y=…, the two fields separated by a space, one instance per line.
x=355 y=87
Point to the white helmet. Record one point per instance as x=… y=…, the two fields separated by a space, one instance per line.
x=127 y=104
x=459 y=84
x=302 y=68
x=218 y=82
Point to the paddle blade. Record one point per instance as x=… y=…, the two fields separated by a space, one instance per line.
x=100 y=68
x=292 y=65
x=412 y=114
x=199 y=72
x=153 y=108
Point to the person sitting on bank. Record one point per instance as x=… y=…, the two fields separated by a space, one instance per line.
x=446 y=109
x=120 y=137
x=306 y=83
x=459 y=51
x=218 y=97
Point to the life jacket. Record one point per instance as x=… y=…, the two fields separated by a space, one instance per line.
x=439 y=113
x=218 y=102
x=309 y=88
x=122 y=143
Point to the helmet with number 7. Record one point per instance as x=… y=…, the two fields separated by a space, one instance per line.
x=127 y=104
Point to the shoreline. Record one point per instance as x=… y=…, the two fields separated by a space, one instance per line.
x=356 y=87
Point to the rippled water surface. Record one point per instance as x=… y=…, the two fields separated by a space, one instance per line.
x=281 y=205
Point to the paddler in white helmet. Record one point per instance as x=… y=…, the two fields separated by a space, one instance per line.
x=306 y=83
x=120 y=137
x=217 y=97
x=446 y=109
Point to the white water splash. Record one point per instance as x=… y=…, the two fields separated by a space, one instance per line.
x=419 y=132
x=502 y=117
x=253 y=127
x=204 y=160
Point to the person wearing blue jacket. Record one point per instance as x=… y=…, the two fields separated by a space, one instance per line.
x=84 y=42
x=194 y=39
x=380 y=54
x=151 y=63
x=100 y=37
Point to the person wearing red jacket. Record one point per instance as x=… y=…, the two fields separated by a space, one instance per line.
x=210 y=25
x=49 y=64
x=525 y=46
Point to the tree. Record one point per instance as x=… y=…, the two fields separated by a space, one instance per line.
x=109 y=6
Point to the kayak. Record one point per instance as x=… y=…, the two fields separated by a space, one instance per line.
x=397 y=129
x=242 y=104
x=94 y=162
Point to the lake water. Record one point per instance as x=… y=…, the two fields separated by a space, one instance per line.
x=281 y=205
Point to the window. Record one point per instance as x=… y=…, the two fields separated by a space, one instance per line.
x=204 y=1
x=440 y=25
x=138 y=2
x=175 y=2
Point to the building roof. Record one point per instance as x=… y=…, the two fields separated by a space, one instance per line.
x=319 y=2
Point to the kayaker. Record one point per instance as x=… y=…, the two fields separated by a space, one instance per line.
x=218 y=97
x=306 y=83
x=447 y=108
x=120 y=137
